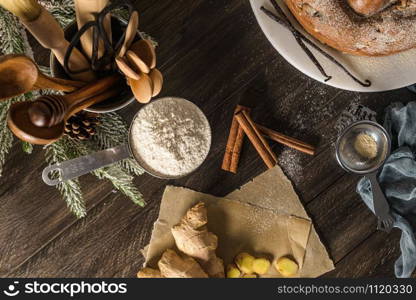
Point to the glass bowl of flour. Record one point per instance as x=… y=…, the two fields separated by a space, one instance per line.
x=170 y=138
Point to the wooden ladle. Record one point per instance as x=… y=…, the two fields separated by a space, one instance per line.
x=19 y=74
x=51 y=112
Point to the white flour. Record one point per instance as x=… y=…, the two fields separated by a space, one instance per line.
x=171 y=137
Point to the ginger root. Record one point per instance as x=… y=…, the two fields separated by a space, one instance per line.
x=193 y=238
x=233 y=271
x=249 y=276
x=149 y=273
x=244 y=262
x=172 y=265
x=261 y=266
x=286 y=266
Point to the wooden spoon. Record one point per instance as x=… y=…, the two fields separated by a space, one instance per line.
x=146 y=51
x=131 y=32
x=157 y=79
x=125 y=68
x=142 y=89
x=19 y=74
x=54 y=111
x=136 y=62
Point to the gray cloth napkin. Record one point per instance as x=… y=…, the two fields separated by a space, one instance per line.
x=398 y=181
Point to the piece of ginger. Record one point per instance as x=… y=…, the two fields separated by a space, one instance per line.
x=193 y=238
x=172 y=265
x=149 y=273
x=249 y=276
x=261 y=266
x=233 y=271
x=244 y=262
x=286 y=266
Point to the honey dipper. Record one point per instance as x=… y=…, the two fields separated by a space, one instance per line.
x=43 y=121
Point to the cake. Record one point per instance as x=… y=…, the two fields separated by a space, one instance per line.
x=360 y=27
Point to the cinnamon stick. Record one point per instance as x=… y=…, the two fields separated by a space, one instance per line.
x=256 y=139
x=234 y=143
x=238 y=145
x=286 y=140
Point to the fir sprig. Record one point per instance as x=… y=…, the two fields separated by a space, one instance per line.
x=112 y=131
x=62 y=10
x=70 y=190
x=6 y=137
x=13 y=39
x=13 y=36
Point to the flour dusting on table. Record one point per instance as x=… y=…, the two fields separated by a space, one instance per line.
x=171 y=137
x=355 y=112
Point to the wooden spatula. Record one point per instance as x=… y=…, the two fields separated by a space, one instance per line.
x=85 y=12
x=49 y=34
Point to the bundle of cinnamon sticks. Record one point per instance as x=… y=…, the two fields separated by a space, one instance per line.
x=243 y=125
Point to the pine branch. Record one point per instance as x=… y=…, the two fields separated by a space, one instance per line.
x=12 y=34
x=27 y=147
x=72 y=194
x=71 y=189
x=6 y=137
x=122 y=181
x=113 y=132
x=132 y=167
x=62 y=10
x=13 y=39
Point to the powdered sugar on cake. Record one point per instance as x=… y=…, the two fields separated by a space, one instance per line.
x=392 y=30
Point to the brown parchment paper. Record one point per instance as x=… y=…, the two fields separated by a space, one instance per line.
x=264 y=217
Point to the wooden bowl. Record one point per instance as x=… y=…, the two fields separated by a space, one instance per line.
x=111 y=105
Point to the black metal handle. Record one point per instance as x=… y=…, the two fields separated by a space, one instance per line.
x=99 y=34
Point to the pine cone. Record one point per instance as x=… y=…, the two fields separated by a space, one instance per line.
x=82 y=126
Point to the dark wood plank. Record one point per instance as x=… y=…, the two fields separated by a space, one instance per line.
x=105 y=243
x=341 y=218
x=374 y=257
x=183 y=42
x=204 y=77
x=28 y=222
x=213 y=53
x=32 y=213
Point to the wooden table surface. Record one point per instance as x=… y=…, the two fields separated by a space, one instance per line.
x=214 y=54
